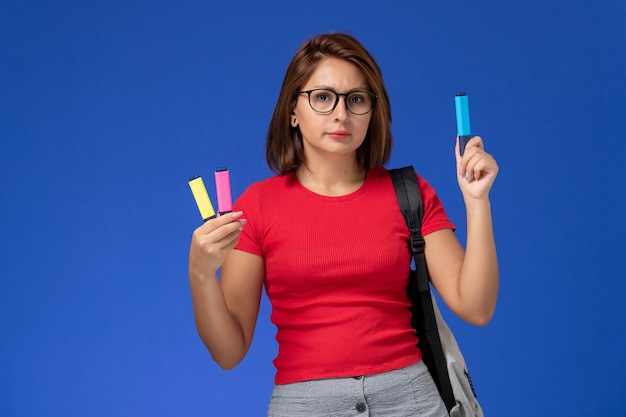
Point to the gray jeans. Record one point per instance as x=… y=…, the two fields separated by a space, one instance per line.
x=405 y=392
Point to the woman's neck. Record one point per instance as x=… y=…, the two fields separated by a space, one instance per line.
x=330 y=178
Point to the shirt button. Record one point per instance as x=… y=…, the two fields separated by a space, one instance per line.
x=360 y=407
x=358 y=377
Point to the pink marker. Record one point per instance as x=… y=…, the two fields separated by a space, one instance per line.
x=222 y=186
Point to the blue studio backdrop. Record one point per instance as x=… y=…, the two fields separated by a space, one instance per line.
x=108 y=108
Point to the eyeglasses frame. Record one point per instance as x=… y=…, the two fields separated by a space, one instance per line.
x=345 y=98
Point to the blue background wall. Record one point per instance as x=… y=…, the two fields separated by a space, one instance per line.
x=107 y=108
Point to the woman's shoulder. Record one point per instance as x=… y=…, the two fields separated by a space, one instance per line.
x=273 y=182
x=384 y=172
x=426 y=189
x=268 y=187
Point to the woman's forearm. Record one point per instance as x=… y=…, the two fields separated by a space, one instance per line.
x=479 y=274
x=219 y=330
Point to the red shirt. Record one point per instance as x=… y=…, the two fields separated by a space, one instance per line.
x=336 y=274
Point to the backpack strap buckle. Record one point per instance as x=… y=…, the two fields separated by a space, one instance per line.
x=417 y=244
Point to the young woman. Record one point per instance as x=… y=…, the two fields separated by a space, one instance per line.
x=327 y=239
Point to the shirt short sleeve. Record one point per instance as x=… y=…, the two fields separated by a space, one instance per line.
x=250 y=237
x=435 y=217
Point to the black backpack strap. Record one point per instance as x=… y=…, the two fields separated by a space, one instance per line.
x=423 y=320
x=412 y=208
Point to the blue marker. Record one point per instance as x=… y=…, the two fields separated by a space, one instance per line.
x=462 y=120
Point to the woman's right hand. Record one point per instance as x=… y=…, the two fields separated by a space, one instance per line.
x=211 y=242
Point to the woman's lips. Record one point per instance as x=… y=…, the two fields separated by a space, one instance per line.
x=339 y=134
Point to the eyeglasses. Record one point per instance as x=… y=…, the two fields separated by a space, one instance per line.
x=324 y=101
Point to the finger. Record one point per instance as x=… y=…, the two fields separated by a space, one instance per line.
x=471 y=167
x=481 y=164
x=224 y=234
x=471 y=159
x=475 y=141
x=477 y=169
x=488 y=166
x=216 y=234
x=217 y=222
x=230 y=241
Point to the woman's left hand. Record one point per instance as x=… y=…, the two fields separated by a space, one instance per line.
x=476 y=169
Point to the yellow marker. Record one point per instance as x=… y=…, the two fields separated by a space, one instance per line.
x=202 y=198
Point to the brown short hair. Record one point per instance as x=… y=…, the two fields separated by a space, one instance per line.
x=284 y=149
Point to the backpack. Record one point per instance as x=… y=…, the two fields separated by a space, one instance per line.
x=440 y=351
